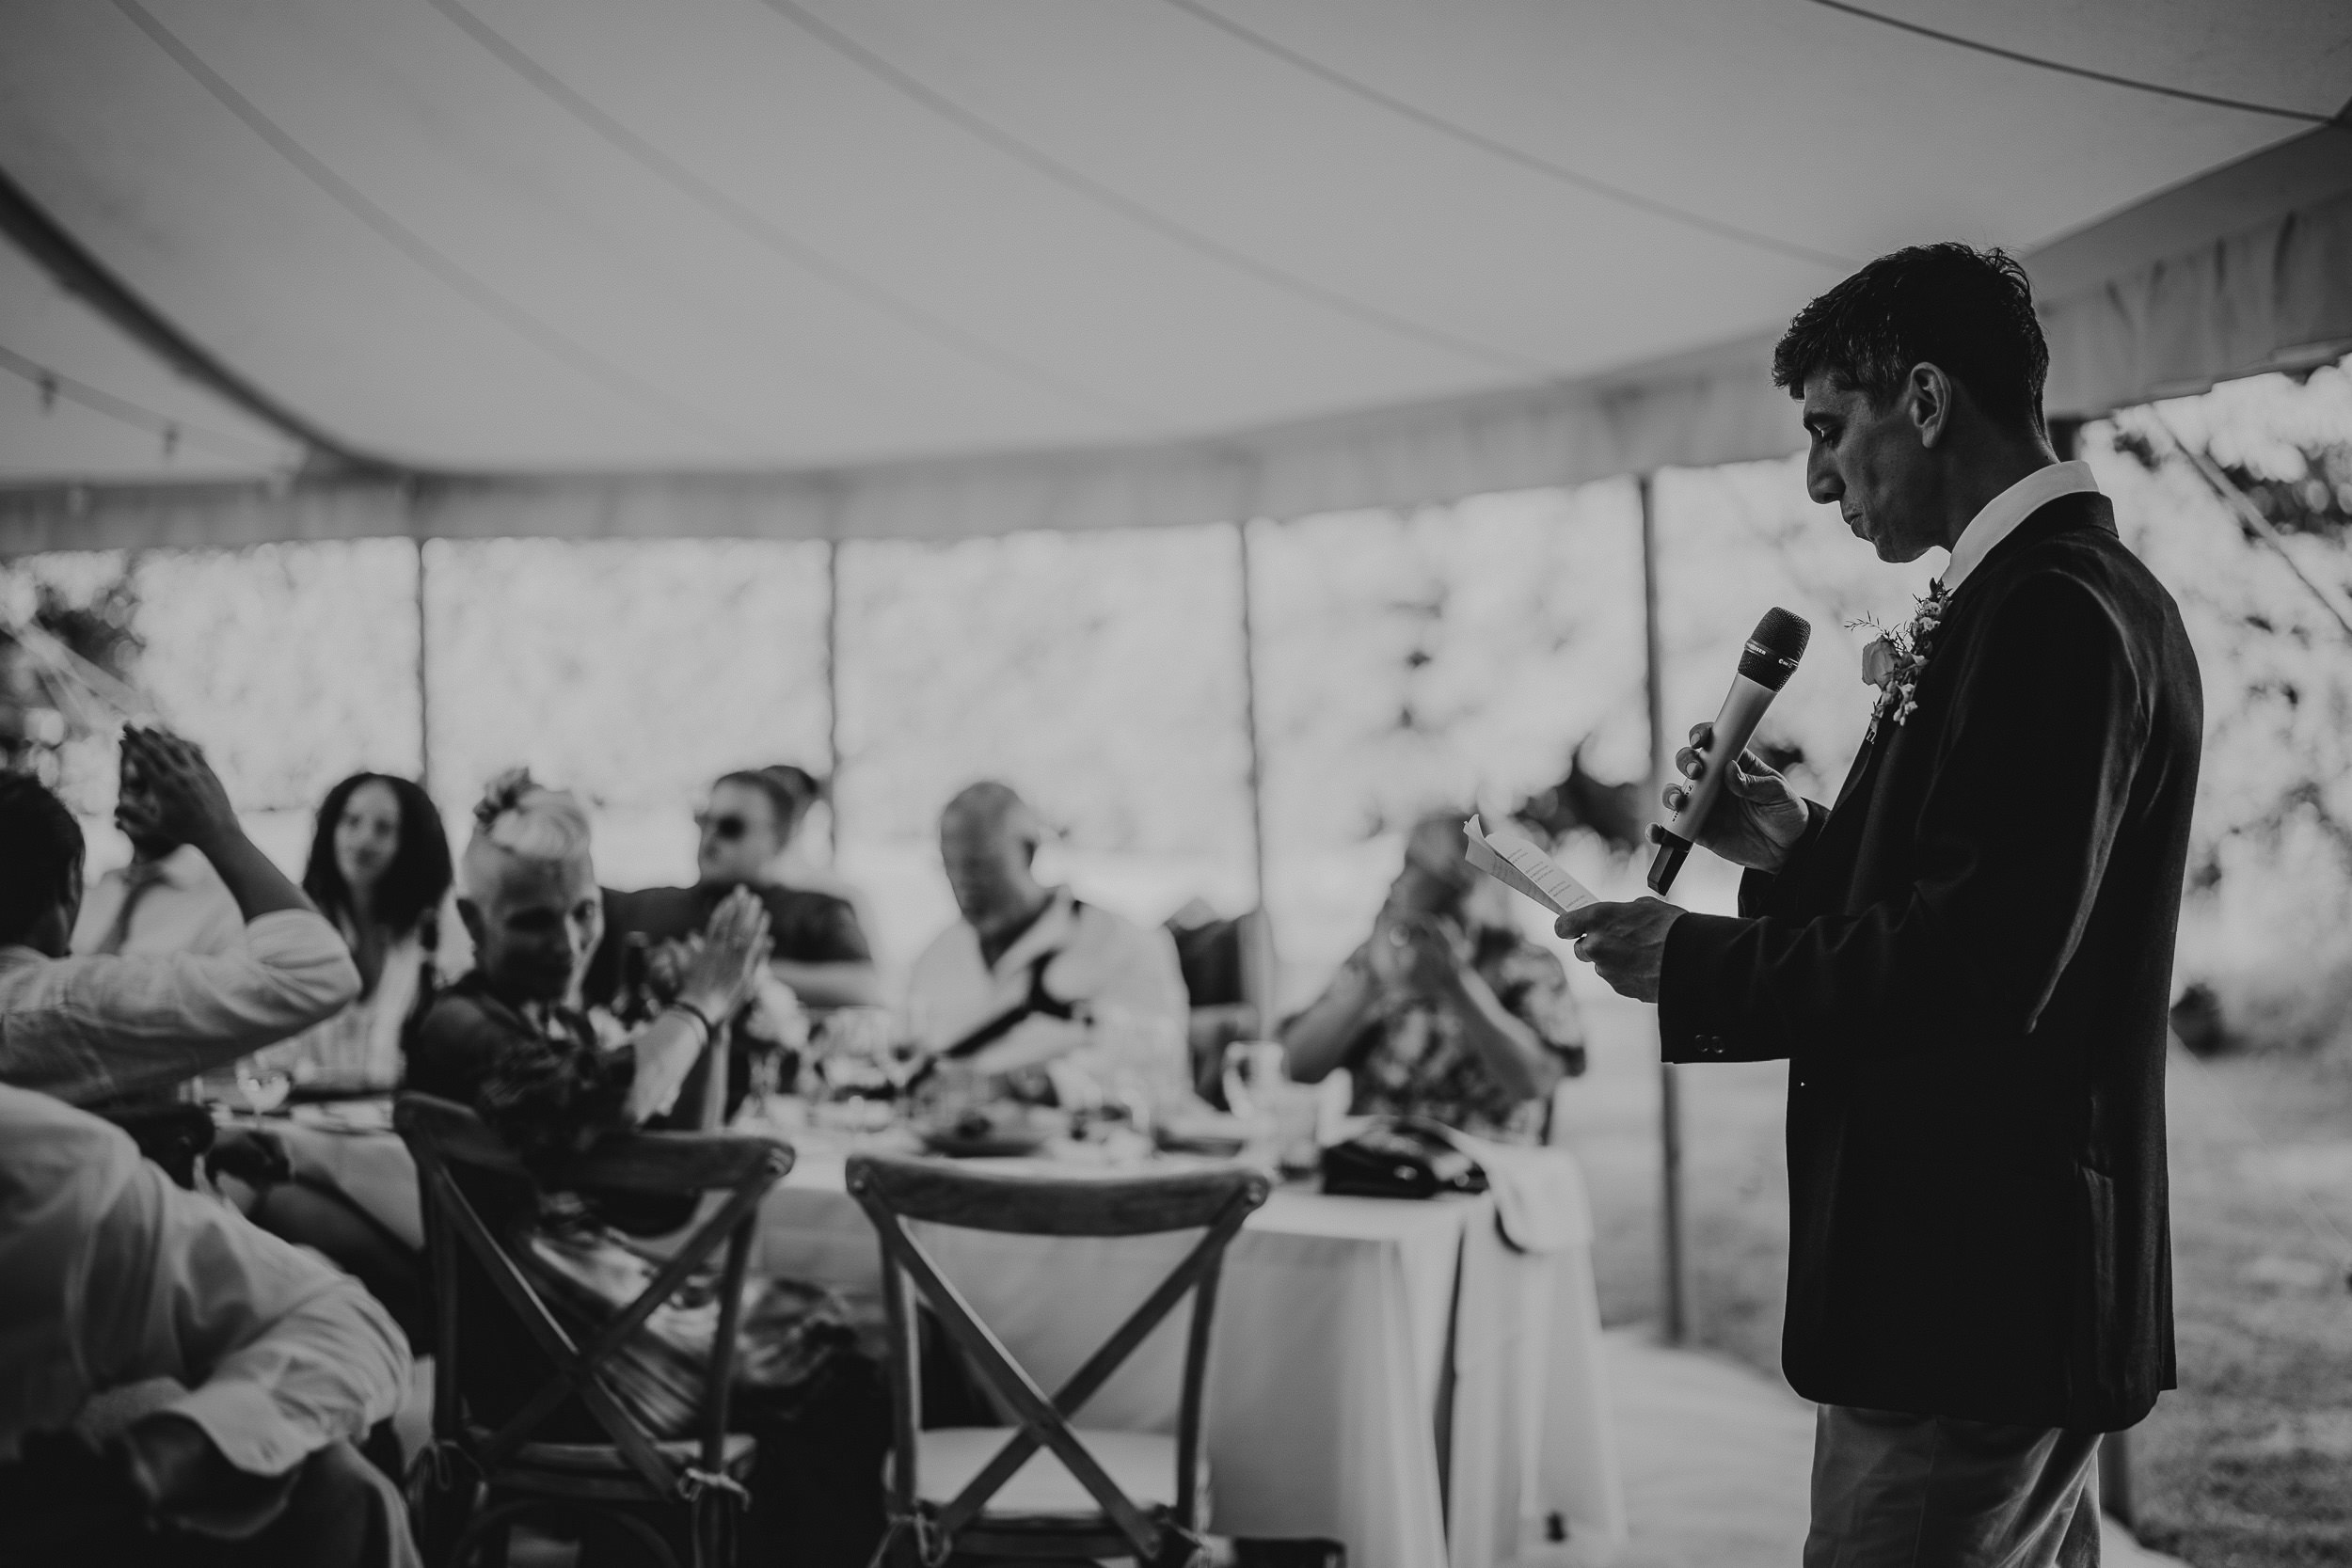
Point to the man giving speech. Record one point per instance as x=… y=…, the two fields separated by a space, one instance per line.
x=1967 y=960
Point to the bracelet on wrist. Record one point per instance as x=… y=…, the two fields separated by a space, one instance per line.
x=710 y=1030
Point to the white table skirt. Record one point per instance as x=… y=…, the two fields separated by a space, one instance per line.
x=1326 y=1365
x=1336 y=1318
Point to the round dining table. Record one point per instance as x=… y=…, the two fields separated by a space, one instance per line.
x=1412 y=1377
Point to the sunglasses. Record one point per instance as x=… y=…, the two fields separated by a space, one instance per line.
x=726 y=830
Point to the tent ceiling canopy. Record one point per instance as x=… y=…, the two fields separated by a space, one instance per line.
x=880 y=246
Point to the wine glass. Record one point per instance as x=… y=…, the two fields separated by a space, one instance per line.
x=264 y=1089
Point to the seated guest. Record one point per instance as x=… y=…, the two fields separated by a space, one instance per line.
x=168 y=899
x=176 y=1388
x=504 y=1040
x=1032 y=981
x=507 y=1029
x=1227 y=966
x=379 y=868
x=1447 y=1011
x=101 y=1027
x=818 y=949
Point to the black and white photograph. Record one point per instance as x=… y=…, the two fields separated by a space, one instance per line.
x=1221 y=784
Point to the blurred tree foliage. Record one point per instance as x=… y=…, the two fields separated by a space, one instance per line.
x=90 y=604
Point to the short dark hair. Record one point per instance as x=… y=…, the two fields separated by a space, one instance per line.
x=41 y=853
x=1968 y=313
x=409 y=897
x=791 y=790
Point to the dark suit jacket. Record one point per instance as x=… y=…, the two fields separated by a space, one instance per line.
x=1968 y=963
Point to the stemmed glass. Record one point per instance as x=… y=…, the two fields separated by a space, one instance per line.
x=264 y=1089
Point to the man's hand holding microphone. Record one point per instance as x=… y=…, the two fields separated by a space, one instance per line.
x=1748 y=816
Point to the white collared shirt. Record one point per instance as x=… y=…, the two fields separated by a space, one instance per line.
x=1096 y=958
x=111 y=1277
x=2003 y=512
x=88 y=1029
x=183 y=907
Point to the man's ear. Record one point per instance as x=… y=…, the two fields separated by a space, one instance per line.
x=1931 y=393
x=469 y=914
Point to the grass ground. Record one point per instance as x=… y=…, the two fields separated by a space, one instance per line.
x=2249 y=1464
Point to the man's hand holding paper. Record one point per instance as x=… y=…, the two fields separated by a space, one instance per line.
x=1625 y=942
x=1517 y=864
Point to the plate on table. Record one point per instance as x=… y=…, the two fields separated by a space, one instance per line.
x=994 y=1133
x=1215 y=1133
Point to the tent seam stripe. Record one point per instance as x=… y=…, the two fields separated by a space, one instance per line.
x=2086 y=73
x=1721 y=229
x=758 y=227
x=411 y=244
x=1136 y=212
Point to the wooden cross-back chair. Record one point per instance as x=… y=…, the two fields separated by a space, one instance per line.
x=520 y=1475
x=991 y=1491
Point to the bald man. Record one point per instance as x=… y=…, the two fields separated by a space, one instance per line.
x=1034 y=984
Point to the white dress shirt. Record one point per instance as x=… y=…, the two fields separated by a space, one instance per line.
x=111 y=1277
x=1999 y=516
x=1124 y=975
x=181 y=907
x=360 y=1045
x=88 y=1029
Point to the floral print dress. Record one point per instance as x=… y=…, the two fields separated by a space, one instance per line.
x=1410 y=1058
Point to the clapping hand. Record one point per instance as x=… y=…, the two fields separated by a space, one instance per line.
x=727 y=963
x=169 y=792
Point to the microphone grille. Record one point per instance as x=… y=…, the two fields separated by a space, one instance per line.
x=1774 y=647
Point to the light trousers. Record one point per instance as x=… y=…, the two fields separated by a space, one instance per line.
x=1892 y=1490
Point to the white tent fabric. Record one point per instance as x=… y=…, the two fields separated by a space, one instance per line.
x=806 y=267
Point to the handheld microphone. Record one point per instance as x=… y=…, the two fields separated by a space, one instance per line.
x=1765 y=665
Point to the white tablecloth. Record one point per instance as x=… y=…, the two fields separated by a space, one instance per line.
x=1336 y=1322
x=1341 y=1324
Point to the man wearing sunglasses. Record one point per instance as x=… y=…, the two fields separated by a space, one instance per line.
x=744 y=828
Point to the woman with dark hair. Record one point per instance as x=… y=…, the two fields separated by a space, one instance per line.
x=379 y=869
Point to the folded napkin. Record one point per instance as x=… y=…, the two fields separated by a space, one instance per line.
x=1540 y=1204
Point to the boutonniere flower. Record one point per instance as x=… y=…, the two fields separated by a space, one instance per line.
x=1894 y=660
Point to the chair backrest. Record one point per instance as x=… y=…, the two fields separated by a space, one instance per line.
x=895 y=1190
x=447 y=1138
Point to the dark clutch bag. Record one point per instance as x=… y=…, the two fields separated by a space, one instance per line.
x=1399 y=1159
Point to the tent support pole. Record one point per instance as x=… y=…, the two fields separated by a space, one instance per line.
x=424 y=683
x=1249 y=717
x=833 y=698
x=1674 y=1272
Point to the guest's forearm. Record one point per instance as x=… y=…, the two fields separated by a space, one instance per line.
x=831 y=985
x=666 y=1050
x=1033 y=1044
x=1507 y=1046
x=1316 y=1040
x=253 y=879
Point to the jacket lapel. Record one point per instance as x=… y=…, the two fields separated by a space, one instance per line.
x=2083 y=509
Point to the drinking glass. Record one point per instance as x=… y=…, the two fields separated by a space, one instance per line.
x=1252 y=1070
x=264 y=1089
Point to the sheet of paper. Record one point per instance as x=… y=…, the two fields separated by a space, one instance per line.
x=1520 y=866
